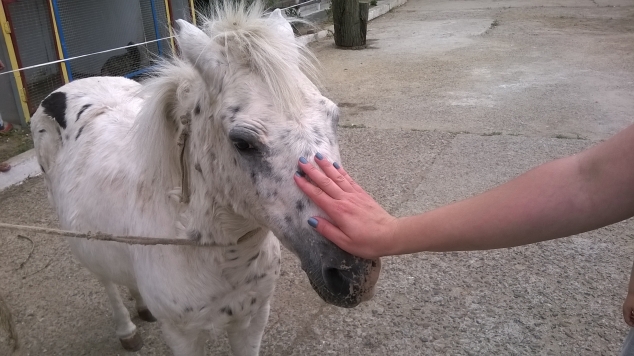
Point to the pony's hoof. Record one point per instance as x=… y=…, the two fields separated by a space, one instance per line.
x=146 y=315
x=133 y=342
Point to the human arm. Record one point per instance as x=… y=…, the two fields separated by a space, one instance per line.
x=628 y=304
x=564 y=197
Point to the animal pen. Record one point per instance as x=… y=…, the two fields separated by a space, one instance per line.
x=48 y=43
x=116 y=37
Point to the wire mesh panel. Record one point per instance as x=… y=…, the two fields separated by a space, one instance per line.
x=90 y=26
x=155 y=26
x=46 y=30
x=180 y=9
x=97 y=37
x=32 y=32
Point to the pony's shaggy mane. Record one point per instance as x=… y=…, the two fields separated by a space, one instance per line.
x=250 y=39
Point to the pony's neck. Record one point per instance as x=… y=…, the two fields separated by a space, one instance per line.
x=210 y=222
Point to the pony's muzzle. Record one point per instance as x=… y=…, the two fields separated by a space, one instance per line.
x=354 y=284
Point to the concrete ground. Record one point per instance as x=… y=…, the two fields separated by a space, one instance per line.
x=450 y=99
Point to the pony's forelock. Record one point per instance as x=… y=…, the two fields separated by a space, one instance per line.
x=250 y=38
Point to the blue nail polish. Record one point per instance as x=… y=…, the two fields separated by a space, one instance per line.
x=337 y=166
x=319 y=156
x=313 y=222
x=298 y=174
x=303 y=160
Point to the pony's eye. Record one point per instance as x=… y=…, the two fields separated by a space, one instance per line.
x=242 y=145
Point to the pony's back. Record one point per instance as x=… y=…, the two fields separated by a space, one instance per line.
x=82 y=136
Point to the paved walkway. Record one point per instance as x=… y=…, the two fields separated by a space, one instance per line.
x=451 y=98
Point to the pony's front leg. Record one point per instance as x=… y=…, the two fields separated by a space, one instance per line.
x=246 y=341
x=184 y=342
x=126 y=330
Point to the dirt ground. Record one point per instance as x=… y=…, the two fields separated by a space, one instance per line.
x=15 y=142
x=451 y=98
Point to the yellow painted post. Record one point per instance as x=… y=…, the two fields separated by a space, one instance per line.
x=169 y=25
x=58 y=42
x=13 y=59
x=193 y=10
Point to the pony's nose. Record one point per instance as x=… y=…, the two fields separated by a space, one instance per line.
x=337 y=281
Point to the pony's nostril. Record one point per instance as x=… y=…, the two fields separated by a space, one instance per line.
x=337 y=283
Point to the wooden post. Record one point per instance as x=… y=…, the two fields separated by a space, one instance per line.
x=350 y=18
x=364 y=14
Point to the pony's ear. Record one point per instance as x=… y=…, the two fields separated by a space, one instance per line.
x=281 y=25
x=194 y=44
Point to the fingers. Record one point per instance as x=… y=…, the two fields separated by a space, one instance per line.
x=320 y=180
x=335 y=173
x=315 y=193
x=338 y=237
x=347 y=177
x=329 y=231
x=331 y=172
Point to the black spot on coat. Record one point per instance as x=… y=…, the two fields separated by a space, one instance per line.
x=254 y=257
x=79 y=132
x=226 y=310
x=234 y=110
x=194 y=235
x=299 y=205
x=255 y=278
x=81 y=111
x=55 y=106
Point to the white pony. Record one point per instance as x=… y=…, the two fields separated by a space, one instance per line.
x=206 y=150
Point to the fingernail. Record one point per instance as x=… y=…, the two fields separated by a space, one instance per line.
x=313 y=222
x=303 y=160
x=319 y=156
x=337 y=166
x=300 y=174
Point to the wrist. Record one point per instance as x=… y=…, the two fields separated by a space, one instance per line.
x=394 y=242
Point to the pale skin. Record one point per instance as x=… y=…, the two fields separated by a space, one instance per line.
x=564 y=197
x=628 y=304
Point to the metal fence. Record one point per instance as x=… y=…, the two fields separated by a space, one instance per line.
x=87 y=31
x=85 y=38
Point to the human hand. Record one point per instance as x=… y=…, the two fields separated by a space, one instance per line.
x=359 y=225
x=628 y=309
